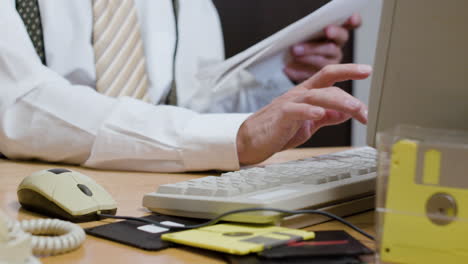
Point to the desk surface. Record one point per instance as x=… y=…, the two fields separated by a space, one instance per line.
x=128 y=188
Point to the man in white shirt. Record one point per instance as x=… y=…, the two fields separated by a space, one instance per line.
x=54 y=113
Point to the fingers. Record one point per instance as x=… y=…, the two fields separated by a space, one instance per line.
x=333 y=98
x=332 y=117
x=318 y=61
x=299 y=72
x=300 y=111
x=353 y=22
x=328 y=49
x=317 y=54
x=302 y=135
x=337 y=34
x=340 y=34
x=310 y=127
x=309 y=57
x=332 y=74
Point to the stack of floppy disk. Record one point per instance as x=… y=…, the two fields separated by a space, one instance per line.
x=239 y=243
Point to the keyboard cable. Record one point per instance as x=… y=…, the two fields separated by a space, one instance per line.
x=246 y=210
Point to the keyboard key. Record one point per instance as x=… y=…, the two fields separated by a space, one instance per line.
x=199 y=190
x=318 y=179
x=245 y=187
x=226 y=192
x=345 y=175
x=171 y=188
x=359 y=171
x=272 y=182
x=332 y=178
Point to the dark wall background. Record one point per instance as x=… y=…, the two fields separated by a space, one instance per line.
x=246 y=22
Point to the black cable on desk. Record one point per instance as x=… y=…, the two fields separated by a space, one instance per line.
x=219 y=217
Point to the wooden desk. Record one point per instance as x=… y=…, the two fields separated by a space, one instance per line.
x=128 y=188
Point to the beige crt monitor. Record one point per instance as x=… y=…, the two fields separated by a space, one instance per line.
x=421 y=68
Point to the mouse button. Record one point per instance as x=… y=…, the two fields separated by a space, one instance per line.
x=69 y=197
x=59 y=170
x=85 y=189
x=100 y=195
x=42 y=182
x=83 y=179
x=103 y=199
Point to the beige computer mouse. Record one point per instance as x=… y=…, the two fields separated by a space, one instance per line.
x=65 y=194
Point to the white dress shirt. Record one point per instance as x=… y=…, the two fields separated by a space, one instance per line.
x=54 y=114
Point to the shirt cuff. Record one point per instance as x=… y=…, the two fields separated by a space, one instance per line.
x=210 y=142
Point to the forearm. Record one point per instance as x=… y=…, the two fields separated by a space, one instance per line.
x=76 y=125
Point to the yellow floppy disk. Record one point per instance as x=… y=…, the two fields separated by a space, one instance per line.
x=238 y=239
x=425 y=217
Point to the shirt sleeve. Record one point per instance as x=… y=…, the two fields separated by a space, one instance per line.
x=247 y=90
x=43 y=116
x=268 y=81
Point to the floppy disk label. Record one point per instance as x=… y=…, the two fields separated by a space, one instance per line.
x=237 y=238
x=157 y=229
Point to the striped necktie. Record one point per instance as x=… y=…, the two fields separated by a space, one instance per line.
x=31 y=16
x=118 y=50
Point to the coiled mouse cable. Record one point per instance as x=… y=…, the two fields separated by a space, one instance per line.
x=50 y=236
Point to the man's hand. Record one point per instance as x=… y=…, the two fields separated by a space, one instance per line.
x=291 y=119
x=310 y=57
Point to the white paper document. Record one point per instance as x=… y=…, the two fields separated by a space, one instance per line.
x=310 y=27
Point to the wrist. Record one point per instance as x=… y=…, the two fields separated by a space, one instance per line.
x=249 y=148
x=241 y=145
